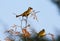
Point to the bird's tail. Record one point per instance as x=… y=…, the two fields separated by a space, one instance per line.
x=18 y=16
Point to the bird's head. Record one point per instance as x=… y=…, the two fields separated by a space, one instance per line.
x=30 y=8
x=43 y=30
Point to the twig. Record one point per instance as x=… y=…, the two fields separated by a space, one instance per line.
x=52 y=36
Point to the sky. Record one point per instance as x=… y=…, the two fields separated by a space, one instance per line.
x=48 y=16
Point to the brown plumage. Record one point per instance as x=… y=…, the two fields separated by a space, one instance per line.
x=41 y=33
x=26 y=13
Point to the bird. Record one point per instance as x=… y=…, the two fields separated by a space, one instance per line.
x=26 y=13
x=41 y=33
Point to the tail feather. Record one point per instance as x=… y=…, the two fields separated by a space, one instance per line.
x=17 y=16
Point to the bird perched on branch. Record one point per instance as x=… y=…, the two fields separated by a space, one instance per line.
x=26 y=13
x=41 y=33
